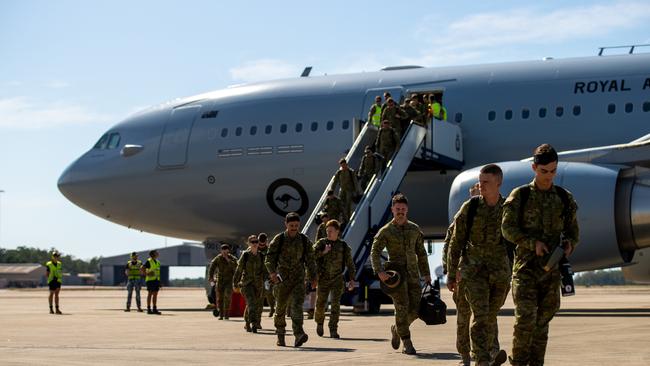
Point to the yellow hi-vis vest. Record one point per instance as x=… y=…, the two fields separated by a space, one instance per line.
x=55 y=272
x=376 y=117
x=134 y=269
x=438 y=111
x=154 y=266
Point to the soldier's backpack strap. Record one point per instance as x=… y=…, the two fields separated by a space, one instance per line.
x=564 y=196
x=471 y=214
x=305 y=241
x=524 y=194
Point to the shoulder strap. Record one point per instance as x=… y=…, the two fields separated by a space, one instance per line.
x=471 y=213
x=564 y=196
x=304 y=240
x=524 y=194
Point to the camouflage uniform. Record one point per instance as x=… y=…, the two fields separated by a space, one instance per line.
x=536 y=293
x=224 y=269
x=321 y=232
x=290 y=262
x=249 y=276
x=329 y=268
x=387 y=142
x=334 y=208
x=349 y=187
x=485 y=268
x=463 y=311
x=393 y=115
x=367 y=169
x=411 y=114
x=266 y=293
x=405 y=246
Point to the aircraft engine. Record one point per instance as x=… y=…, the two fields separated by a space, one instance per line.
x=613 y=208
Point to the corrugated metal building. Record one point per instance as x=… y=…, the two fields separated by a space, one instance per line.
x=22 y=275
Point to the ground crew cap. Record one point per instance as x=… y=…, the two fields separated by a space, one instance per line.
x=225 y=246
x=56 y=253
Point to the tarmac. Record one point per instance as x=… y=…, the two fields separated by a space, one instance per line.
x=598 y=326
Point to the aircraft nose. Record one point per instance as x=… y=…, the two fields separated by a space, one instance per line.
x=66 y=183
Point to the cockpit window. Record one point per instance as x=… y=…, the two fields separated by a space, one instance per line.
x=114 y=140
x=101 y=144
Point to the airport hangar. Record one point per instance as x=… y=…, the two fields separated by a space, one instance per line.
x=185 y=255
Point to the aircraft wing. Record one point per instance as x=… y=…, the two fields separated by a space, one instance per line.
x=634 y=153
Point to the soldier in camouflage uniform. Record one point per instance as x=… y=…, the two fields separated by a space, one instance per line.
x=267 y=290
x=321 y=232
x=332 y=257
x=393 y=115
x=290 y=255
x=347 y=180
x=369 y=166
x=537 y=228
x=334 y=207
x=481 y=258
x=404 y=243
x=249 y=277
x=223 y=265
x=463 y=311
x=387 y=141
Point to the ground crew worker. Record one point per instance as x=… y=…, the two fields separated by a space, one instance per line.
x=334 y=207
x=151 y=270
x=374 y=114
x=267 y=290
x=438 y=111
x=404 y=242
x=480 y=256
x=463 y=311
x=321 y=232
x=393 y=115
x=290 y=255
x=387 y=141
x=223 y=267
x=134 y=281
x=333 y=256
x=536 y=217
x=369 y=167
x=249 y=277
x=347 y=180
x=54 y=280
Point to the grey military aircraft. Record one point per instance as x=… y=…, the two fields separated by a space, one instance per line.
x=221 y=165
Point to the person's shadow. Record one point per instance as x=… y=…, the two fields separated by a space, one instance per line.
x=438 y=356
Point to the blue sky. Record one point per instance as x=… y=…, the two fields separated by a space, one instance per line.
x=71 y=69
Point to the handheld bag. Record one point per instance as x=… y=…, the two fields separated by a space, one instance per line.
x=432 y=309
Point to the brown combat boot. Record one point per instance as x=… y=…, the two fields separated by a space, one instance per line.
x=334 y=334
x=394 y=337
x=247 y=326
x=280 y=342
x=408 y=347
x=300 y=340
x=500 y=358
x=465 y=359
x=319 y=329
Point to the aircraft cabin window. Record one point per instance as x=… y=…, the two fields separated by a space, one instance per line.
x=330 y=125
x=542 y=113
x=576 y=110
x=238 y=131
x=253 y=130
x=508 y=115
x=314 y=126
x=268 y=129
x=492 y=115
x=346 y=124
x=559 y=111
x=298 y=127
x=283 y=128
x=114 y=140
x=611 y=109
x=101 y=144
x=224 y=132
x=629 y=107
x=458 y=118
x=525 y=113
x=646 y=106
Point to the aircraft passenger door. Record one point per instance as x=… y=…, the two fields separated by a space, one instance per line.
x=369 y=99
x=175 y=137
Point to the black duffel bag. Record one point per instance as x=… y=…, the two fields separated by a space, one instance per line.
x=432 y=309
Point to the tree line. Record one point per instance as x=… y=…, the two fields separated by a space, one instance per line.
x=71 y=264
